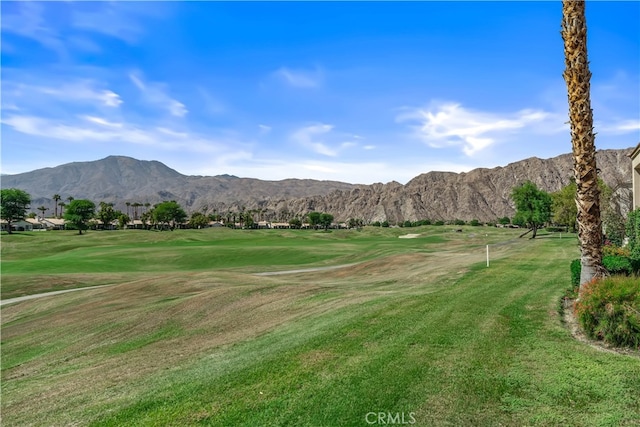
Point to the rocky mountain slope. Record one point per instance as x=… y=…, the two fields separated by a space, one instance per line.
x=481 y=194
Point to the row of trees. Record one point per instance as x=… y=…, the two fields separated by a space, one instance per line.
x=132 y=207
x=79 y=213
x=536 y=208
x=163 y=216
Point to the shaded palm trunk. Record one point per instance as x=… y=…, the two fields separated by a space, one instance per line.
x=577 y=76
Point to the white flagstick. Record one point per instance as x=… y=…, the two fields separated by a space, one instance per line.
x=487 y=255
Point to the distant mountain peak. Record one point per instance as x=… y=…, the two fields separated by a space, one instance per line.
x=482 y=193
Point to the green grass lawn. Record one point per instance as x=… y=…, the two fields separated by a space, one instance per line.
x=420 y=328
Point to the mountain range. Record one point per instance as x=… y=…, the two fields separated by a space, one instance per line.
x=481 y=194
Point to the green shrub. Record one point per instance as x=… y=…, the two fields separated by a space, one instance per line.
x=633 y=233
x=616 y=264
x=439 y=223
x=615 y=250
x=609 y=310
x=556 y=229
x=576 y=268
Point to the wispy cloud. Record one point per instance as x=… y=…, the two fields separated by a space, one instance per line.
x=68 y=27
x=101 y=121
x=84 y=91
x=300 y=78
x=27 y=19
x=264 y=129
x=450 y=124
x=110 y=20
x=321 y=139
x=308 y=137
x=92 y=129
x=618 y=127
x=212 y=104
x=156 y=95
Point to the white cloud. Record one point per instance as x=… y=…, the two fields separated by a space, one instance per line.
x=96 y=129
x=110 y=22
x=300 y=78
x=177 y=108
x=212 y=104
x=321 y=139
x=307 y=136
x=138 y=82
x=10 y=106
x=264 y=129
x=83 y=91
x=618 y=127
x=110 y=98
x=156 y=95
x=29 y=21
x=347 y=144
x=64 y=26
x=450 y=124
x=101 y=121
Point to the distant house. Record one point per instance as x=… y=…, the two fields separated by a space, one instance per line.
x=280 y=225
x=635 y=171
x=36 y=224
x=27 y=224
x=22 y=225
x=53 y=223
x=135 y=224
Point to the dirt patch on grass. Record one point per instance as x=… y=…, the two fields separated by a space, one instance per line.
x=315 y=357
x=100 y=345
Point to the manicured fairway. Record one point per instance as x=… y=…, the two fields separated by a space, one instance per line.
x=417 y=327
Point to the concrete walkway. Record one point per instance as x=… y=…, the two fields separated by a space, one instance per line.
x=46 y=294
x=304 y=270
x=267 y=273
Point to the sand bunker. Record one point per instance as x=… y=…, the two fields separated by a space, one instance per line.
x=408 y=236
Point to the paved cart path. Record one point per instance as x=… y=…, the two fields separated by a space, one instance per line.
x=266 y=273
x=46 y=294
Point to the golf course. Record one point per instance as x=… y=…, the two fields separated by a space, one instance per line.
x=425 y=326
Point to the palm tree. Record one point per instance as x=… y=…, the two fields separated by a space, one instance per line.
x=135 y=209
x=62 y=206
x=577 y=76
x=42 y=209
x=128 y=204
x=56 y=199
x=70 y=199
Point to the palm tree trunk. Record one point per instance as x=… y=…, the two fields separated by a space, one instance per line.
x=577 y=76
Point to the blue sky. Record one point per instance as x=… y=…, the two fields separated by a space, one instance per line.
x=360 y=92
